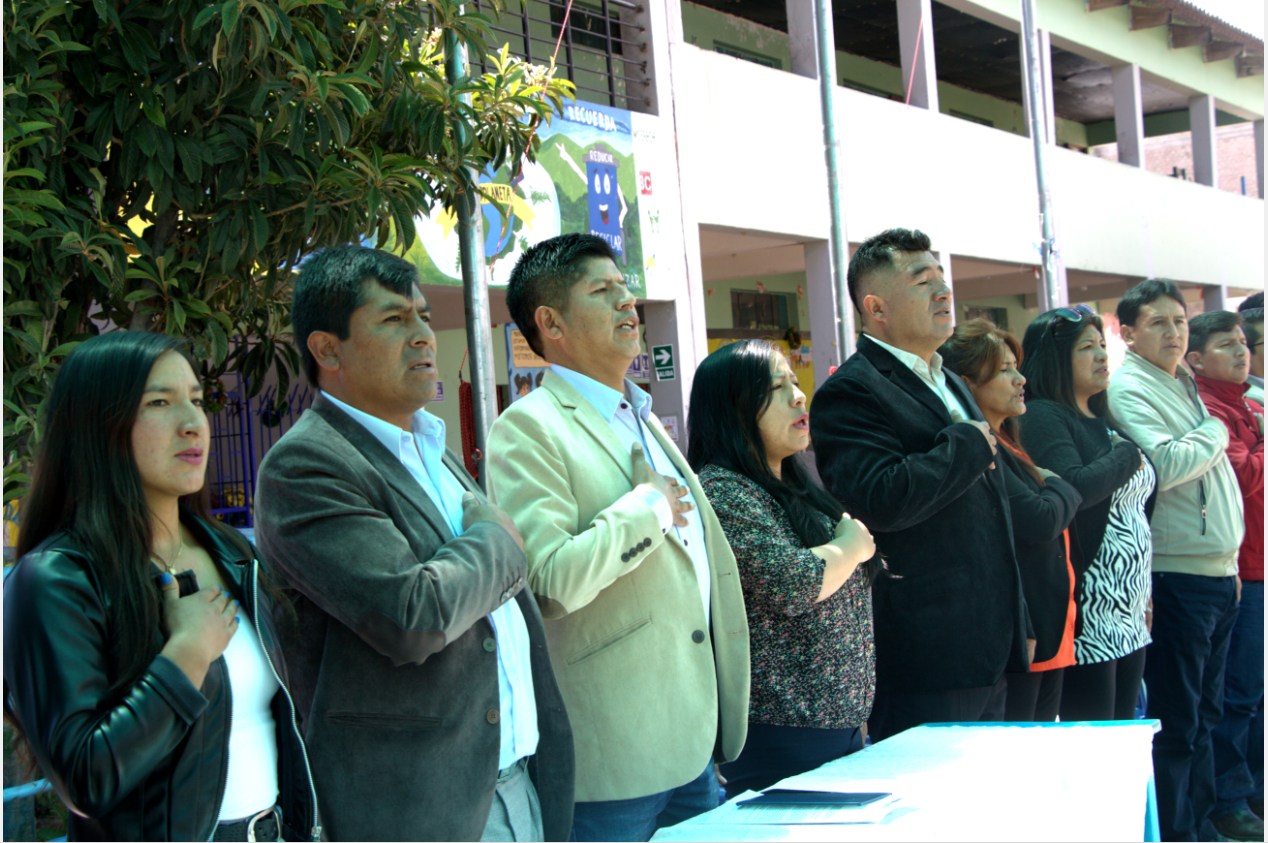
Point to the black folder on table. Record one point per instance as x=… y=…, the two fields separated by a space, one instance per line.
x=810 y=799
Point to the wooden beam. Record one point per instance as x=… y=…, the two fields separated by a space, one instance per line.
x=1098 y=5
x=1250 y=65
x=1183 y=35
x=1220 y=50
x=1147 y=17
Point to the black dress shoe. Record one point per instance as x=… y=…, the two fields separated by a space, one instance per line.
x=1240 y=825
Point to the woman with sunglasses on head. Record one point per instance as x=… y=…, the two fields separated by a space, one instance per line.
x=1068 y=429
x=1042 y=506
x=803 y=567
x=139 y=660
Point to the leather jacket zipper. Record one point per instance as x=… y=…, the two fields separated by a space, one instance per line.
x=314 y=826
x=224 y=786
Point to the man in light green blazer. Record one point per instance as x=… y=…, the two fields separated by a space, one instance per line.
x=645 y=618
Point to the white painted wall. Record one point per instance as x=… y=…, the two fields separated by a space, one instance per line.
x=752 y=158
x=1120 y=219
x=750 y=145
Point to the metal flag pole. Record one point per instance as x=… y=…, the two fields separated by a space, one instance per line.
x=475 y=286
x=1053 y=293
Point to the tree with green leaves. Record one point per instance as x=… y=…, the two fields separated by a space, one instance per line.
x=167 y=163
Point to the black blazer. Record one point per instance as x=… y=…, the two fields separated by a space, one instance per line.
x=393 y=659
x=887 y=449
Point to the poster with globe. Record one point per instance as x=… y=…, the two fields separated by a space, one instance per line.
x=585 y=179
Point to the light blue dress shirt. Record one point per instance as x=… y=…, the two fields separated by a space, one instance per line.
x=932 y=375
x=629 y=414
x=422 y=451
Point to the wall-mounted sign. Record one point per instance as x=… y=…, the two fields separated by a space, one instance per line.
x=663 y=361
x=586 y=178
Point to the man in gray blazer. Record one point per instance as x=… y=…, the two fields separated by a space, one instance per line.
x=417 y=657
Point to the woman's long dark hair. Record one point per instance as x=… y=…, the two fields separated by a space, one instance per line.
x=732 y=389
x=1049 y=366
x=86 y=484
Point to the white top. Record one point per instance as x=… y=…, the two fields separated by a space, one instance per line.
x=933 y=376
x=422 y=452
x=251 y=786
x=630 y=415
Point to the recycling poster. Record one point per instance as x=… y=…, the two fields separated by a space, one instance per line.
x=587 y=178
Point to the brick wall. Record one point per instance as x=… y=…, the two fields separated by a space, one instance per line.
x=1168 y=154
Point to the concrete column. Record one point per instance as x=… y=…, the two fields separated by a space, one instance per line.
x=821 y=300
x=1214 y=297
x=915 y=46
x=802 y=38
x=669 y=397
x=1047 y=115
x=1129 y=117
x=1202 y=132
x=1259 y=156
x=662 y=24
x=680 y=322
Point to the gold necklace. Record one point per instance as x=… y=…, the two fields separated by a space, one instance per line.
x=170 y=566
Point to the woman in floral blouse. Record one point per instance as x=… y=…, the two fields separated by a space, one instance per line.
x=806 y=587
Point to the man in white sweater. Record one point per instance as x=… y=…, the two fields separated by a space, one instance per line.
x=1197 y=528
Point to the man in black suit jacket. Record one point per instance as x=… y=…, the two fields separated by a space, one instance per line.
x=904 y=448
x=417 y=657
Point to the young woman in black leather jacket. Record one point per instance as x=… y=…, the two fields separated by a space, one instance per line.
x=140 y=662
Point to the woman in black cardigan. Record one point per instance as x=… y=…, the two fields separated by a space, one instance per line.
x=1068 y=430
x=1042 y=505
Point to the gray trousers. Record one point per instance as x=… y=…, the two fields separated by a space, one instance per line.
x=516 y=814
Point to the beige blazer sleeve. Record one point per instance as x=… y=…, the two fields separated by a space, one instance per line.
x=584 y=532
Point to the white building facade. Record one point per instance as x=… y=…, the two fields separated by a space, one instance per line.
x=731 y=133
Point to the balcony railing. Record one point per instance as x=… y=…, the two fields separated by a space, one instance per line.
x=603 y=50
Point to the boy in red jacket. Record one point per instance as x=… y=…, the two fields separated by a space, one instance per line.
x=1220 y=360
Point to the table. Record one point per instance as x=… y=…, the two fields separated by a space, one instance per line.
x=979 y=782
